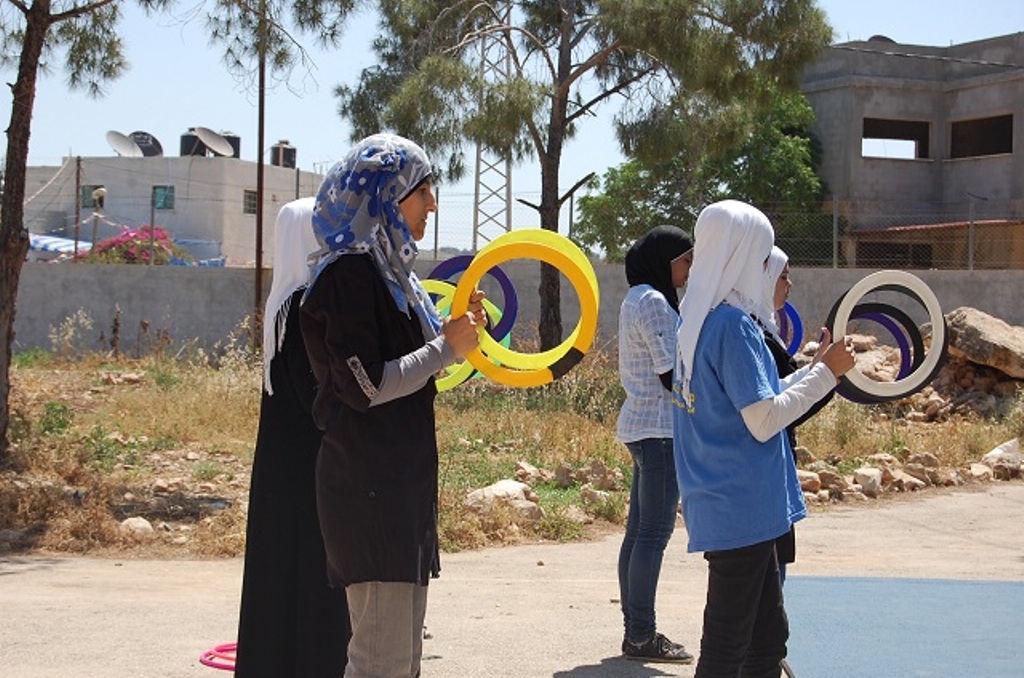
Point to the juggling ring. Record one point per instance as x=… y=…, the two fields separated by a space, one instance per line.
x=857 y=387
x=458 y=373
x=563 y=245
x=904 y=331
x=503 y=327
x=899 y=324
x=786 y=316
x=540 y=368
x=531 y=369
x=220 y=656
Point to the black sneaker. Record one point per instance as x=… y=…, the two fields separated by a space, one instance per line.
x=626 y=644
x=657 y=649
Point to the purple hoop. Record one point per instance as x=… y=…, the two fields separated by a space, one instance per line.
x=448 y=268
x=903 y=330
x=789 y=311
x=896 y=330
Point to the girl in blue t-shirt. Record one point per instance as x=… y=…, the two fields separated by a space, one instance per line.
x=736 y=475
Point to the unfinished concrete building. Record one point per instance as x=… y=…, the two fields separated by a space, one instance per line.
x=926 y=140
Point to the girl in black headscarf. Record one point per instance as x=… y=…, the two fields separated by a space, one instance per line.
x=656 y=264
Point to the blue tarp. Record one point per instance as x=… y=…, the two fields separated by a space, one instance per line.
x=49 y=243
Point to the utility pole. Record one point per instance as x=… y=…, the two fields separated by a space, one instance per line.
x=78 y=198
x=257 y=311
x=492 y=183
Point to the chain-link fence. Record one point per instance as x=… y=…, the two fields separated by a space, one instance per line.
x=972 y=233
x=966 y=235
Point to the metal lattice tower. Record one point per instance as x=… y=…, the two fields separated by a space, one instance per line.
x=492 y=184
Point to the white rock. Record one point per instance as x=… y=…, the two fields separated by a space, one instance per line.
x=506 y=490
x=137 y=525
x=981 y=472
x=1008 y=454
x=870 y=480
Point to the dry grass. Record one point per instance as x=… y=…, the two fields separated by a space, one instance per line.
x=96 y=439
x=847 y=434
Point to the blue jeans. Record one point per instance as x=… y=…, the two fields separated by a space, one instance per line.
x=653 y=500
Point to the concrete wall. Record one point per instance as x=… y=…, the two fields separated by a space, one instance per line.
x=206 y=305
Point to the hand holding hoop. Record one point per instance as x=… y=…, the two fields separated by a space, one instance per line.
x=856 y=386
x=838 y=356
x=521 y=369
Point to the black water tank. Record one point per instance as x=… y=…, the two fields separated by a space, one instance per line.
x=282 y=154
x=190 y=143
x=236 y=143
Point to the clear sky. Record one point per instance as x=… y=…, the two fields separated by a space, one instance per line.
x=177 y=80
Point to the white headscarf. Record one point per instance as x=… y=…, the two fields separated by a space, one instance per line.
x=293 y=243
x=733 y=239
x=767 y=314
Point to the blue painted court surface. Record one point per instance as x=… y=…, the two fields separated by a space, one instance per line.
x=846 y=627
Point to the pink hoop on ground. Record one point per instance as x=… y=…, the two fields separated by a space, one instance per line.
x=220 y=656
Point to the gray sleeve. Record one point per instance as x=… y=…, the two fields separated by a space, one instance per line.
x=409 y=373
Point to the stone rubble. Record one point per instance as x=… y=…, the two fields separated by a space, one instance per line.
x=983 y=376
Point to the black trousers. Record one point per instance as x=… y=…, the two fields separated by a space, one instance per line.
x=745 y=624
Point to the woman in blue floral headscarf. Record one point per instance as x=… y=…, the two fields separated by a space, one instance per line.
x=375 y=342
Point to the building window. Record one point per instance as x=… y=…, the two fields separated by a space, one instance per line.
x=984 y=136
x=906 y=139
x=93 y=196
x=249 y=202
x=163 y=197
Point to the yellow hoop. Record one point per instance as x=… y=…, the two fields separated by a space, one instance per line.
x=526 y=369
x=461 y=371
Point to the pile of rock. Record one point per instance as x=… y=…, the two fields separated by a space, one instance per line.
x=985 y=371
x=883 y=472
x=596 y=482
x=983 y=374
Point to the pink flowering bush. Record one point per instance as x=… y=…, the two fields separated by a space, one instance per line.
x=133 y=247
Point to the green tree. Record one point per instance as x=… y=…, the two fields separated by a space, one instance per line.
x=570 y=57
x=85 y=35
x=632 y=199
x=765 y=156
x=82 y=37
x=775 y=168
x=776 y=163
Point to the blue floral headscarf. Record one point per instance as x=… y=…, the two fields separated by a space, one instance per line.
x=357 y=212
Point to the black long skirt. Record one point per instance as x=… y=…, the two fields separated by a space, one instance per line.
x=291 y=623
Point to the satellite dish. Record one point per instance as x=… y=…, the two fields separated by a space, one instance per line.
x=147 y=143
x=215 y=142
x=123 y=145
